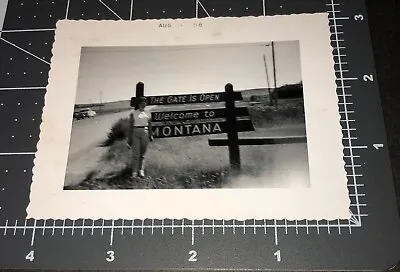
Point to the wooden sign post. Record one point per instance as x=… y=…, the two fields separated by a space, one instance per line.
x=233 y=138
x=202 y=119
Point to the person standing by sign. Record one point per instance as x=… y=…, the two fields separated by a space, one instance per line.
x=140 y=133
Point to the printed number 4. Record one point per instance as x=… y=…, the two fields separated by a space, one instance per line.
x=110 y=257
x=358 y=17
x=193 y=255
x=30 y=256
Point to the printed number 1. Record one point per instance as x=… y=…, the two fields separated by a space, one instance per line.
x=30 y=256
x=278 y=255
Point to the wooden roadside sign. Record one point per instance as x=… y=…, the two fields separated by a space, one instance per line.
x=197 y=122
x=206 y=120
x=193 y=115
x=165 y=100
x=202 y=127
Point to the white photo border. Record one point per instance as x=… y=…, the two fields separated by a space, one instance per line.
x=326 y=198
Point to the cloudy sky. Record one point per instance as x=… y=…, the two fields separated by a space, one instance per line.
x=110 y=74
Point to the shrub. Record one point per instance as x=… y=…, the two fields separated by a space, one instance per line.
x=119 y=131
x=254 y=98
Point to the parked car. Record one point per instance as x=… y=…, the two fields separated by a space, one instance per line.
x=84 y=113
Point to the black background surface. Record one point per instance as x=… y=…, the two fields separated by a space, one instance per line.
x=385 y=35
x=383 y=19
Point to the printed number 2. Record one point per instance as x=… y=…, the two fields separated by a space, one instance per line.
x=368 y=78
x=30 y=256
x=278 y=255
x=358 y=17
x=110 y=257
x=193 y=255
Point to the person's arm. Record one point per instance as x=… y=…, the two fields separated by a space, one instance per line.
x=130 y=130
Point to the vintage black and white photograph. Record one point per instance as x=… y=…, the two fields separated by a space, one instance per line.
x=181 y=120
x=179 y=130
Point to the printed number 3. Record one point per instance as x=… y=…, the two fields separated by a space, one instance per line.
x=359 y=17
x=193 y=255
x=110 y=257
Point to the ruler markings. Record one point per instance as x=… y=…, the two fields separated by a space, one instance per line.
x=329 y=227
x=265 y=226
x=233 y=229
x=263 y=2
x=349 y=224
x=244 y=223
x=142 y=226
x=359 y=195
x=307 y=226
x=27 y=30
x=53 y=228
x=16 y=153
x=259 y=225
x=338 y=18
x=67 y=9
x=24 y=228
x=344 y=98
x=276 y=232
x=286 y=227
x=339 y=231
x=112 y=233
x=63 y=228
x=33 y=232
x=192 y=232
x=15 y=226
x=131 y=11
x=44 y=226
x=5 y=228
x=244 y=227
x=83 y=226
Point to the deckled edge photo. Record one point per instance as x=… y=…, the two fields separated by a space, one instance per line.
x=327 y=198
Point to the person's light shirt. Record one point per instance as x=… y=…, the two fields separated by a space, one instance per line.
x=141 y=118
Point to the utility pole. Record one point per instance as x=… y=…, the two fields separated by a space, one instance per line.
x=101 y=101
x=275 y=94
x=266 y=72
